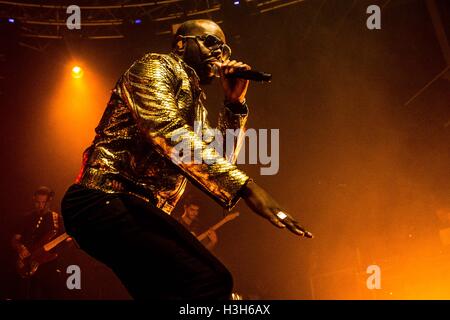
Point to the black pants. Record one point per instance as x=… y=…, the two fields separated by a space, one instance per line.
x=154 y=256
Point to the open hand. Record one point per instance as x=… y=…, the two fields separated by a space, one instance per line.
x=264 y=205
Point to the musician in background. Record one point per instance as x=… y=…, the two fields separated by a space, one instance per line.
x=189 y=219
x=38 y=227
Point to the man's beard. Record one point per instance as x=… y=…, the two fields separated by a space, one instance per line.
x=205 y=72
x=201 y=65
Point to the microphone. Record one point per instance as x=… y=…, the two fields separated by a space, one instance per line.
x=251 y=75
x=245 y=74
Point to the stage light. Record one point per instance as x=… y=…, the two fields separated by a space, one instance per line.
x=237 y=12
x=77 y=72
x=137 y=21
x=82 y=101
x=11 y=20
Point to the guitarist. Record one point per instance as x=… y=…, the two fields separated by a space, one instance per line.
x=37 y=228
x=189 y=219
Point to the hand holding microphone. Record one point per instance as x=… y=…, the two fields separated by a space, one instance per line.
x=234 y=89
x=244 y=73
x=235 y=76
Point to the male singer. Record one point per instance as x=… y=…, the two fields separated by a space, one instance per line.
x=119 y=208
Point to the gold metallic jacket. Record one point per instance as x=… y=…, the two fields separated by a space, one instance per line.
x=153 y=104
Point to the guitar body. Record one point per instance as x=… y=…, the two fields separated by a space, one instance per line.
x=28 y=266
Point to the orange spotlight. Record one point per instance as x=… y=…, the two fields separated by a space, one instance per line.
x=77 y=72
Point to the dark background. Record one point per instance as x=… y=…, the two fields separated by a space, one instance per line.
x=362 y=170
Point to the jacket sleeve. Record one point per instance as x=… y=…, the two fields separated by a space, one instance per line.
x=232 y=121
x=231 y=126
x=149 y=90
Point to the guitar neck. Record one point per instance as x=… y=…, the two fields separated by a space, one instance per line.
x=49 y=246
x=218 y=225
x=213 y=228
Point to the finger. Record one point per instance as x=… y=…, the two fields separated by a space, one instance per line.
x=219 y=67
x=297 y=227
x=230 y=67
x=290 y=225
x=237 y=66
x=246 y=67
x=274 y=220
x=241 y=65
x=231 y=70
x=226 y=64
x=307 y=233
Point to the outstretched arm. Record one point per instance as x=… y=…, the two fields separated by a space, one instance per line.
x=256 y=197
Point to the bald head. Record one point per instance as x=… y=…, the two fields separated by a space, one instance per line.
x=198 y=27
x=189 y=44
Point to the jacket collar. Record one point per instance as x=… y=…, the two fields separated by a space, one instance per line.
x=194 y=78
x=185 y=65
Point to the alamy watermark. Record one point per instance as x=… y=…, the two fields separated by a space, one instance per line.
x=374 y=279
x=373 y=22
x=74 y=279
x=211 y=146
x=74 y=19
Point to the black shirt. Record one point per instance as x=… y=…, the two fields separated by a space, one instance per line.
x=37 y=229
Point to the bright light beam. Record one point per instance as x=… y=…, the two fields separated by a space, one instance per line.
x=77 y=72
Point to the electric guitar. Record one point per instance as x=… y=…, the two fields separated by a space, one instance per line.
x=28 y=265
x=227 y=218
